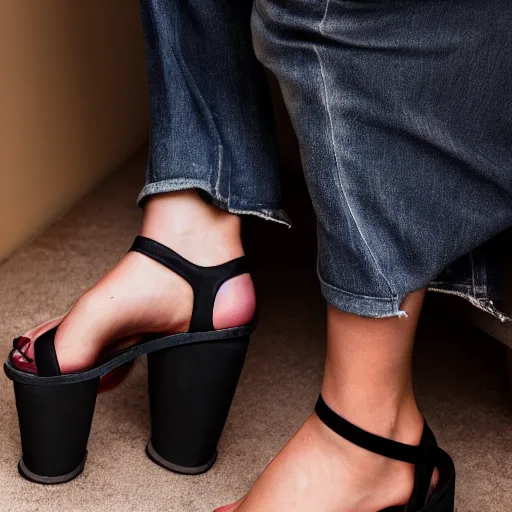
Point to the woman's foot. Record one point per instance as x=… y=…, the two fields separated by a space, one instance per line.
x=140 y=297
x=319 y=470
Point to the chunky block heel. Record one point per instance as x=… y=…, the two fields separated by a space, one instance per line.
x=55 y=422
x=192 y=380
x=190 y=390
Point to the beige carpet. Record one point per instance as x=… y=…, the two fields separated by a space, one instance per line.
x=461 y=377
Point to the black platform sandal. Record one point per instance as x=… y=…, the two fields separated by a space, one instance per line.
x=192 y=378
x=426 y=457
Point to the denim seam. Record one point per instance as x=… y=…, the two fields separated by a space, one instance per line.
x=373 y=307
x=244 y=201
x=446 y=285
x=220 y=157
x=337 y=289
x=340 y=182
x=472 y=263
x=264 y=214
x=171 y=185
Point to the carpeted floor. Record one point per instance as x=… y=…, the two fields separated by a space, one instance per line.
x=461 y=379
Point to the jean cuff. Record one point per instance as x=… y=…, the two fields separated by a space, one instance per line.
x=175 y=184
x=362 y=305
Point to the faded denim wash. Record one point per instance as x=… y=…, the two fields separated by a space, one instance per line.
x=403 y=111
x=211 y=125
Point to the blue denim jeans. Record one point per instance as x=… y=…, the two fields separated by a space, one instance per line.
x=402 y=109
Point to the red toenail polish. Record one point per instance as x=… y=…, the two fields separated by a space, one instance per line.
x=23 y=342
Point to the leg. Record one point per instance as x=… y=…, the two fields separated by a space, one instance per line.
x=368 y=373
x=137 y=296
x=390 y=120
x=211 y=118
x=211 y=131
x=212 y=157
x=368 y=381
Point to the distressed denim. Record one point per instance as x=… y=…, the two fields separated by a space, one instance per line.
x=403 y=112
x=211 y=127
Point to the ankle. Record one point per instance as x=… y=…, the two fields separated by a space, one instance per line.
x=391 y=417
x=377 y=482
x=199 y=231
x=206 y=236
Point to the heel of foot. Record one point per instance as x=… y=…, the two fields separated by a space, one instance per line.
x=235 y=303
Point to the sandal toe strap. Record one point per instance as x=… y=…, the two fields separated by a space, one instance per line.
x=45 y=355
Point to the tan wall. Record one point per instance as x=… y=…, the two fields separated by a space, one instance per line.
x=72 y=104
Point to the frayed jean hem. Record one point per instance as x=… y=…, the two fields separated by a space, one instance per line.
x=362 y=305
x=174 y=185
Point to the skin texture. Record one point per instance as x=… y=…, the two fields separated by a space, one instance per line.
x=367 y=374
x=140 y=296
x=368 y=381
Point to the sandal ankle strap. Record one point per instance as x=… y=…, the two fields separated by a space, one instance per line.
x=205 y=281
x=424 y=456
x=371 y=442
